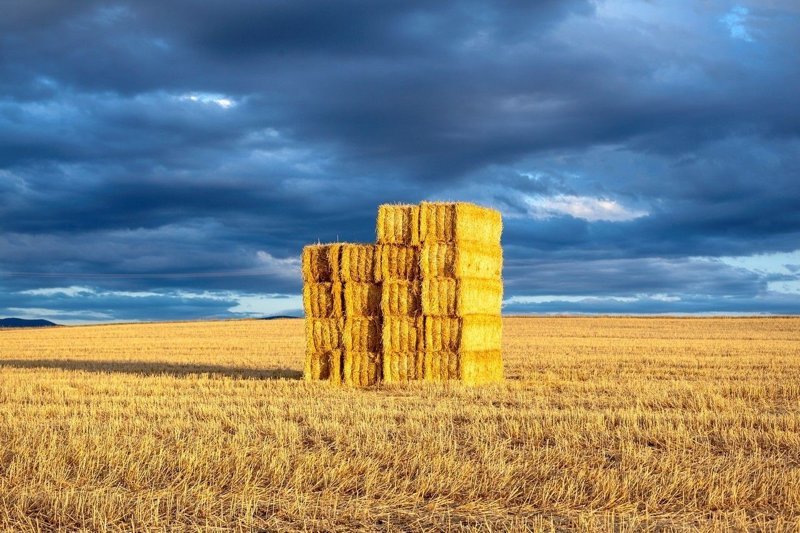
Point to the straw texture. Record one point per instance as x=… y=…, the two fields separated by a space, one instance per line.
x=398 y=224
x=463 y=260
x=442 y=366
x=459 y=297
x=361 y=369
x=357 y=263
x=362 y=299
x=402 y=334
x=459 y=221
x=321 y=263
x=401 y=298
x=397 y=262
x=323 y=300
x=478 y=368
x=323 y=366
x=399 y=367
x=324 y=334
x=465 y=333
x=362 y=334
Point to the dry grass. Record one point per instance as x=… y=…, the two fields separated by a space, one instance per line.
x=605 y=423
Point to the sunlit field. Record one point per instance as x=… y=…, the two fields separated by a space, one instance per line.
x=602 y=423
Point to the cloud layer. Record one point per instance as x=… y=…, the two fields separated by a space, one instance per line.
x=171 y=160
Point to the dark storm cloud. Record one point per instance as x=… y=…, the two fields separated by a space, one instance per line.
x=622 y=141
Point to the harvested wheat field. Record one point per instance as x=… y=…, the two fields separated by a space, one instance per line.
x=602 y=423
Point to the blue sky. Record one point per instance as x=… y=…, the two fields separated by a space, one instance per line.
x=169 y=160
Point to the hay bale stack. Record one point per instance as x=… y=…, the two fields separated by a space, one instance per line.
x=401 y=305
x=461 y=292
x=362 y=315
x=323 y=302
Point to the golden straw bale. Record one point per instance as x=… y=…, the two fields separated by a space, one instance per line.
x=459 y=221
x=358 y=263
x=396 y=262
x=399 y=367
x=398 y=224
x=362 y=334
x=324 y=334
x=459 y=297
x=463 y=260
x=480 y=367
x=401 y=298
x=323 y=366
x=323 y=300
x=362 y=299
x=442 y=365
x=320 y=262
x=362 y=369
x=456 y=334
x=402 y=333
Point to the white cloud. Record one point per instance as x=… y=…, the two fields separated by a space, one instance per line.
x=735 y=20
x=209 y=98
x=584 y=207
x=71 y=292
x=786 y=265
x=266 y=305
x=288 y=268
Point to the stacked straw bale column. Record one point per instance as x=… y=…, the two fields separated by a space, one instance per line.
x=323 y=302
x=462 y=291
x=362 y=315
x=401 y=306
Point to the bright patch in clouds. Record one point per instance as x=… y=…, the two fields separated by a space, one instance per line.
x=781 y=269
x=584 y=207
x=735 y=20
x=288 y=267
x=209 y=98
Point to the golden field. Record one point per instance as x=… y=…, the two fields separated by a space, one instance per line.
x=603 y=423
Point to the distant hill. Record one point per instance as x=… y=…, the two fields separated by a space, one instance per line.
x=25 y=323
x=278 y=316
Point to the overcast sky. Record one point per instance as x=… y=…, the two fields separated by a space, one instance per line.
x=168 y=160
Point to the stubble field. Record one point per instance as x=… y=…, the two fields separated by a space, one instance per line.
x=603 y=423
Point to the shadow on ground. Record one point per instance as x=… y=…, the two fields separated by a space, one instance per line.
x=147 y=368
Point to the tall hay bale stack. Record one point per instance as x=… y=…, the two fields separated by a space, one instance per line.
x=362 y=315
x=323 y=303
x=462 y=291
x=401 y=306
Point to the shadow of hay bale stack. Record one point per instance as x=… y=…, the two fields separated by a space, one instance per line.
x=423 y=303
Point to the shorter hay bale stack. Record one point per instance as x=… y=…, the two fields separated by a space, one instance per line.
x=323 y=303
x=462 y=291
x=362 y=315
x=397 y=268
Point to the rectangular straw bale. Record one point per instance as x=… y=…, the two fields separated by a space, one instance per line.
x=401 y=298
x=442 y=365
x=362 y=299
x=459 y=221
x=323 y=300
x=459 y=297
x=402 y=334
x=362 y=334
x=321 y=262
x=463 y=260
x=398 y=224
x=399 y=367
x=358 y=263
x=361 y=369
x=324 y=334
x=481 y=367
x=456 y=334
x=323 y=366
x=396 y=261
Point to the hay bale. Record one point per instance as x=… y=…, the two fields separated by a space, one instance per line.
x=398 y=224
x=459 y=221
x=481 y=367
x=441 y=365
x=463 y=260
x=399 y=367
x=401 y=298
x=396 y=262
x=457 y=334
x=321 y=263
x=358 y=263
x=402 y=334
x=361 y=369
x=362 y=334
x=460 y=297
x=362 y=299
x=324 y=334
x=321 y=366
x=323 y=300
